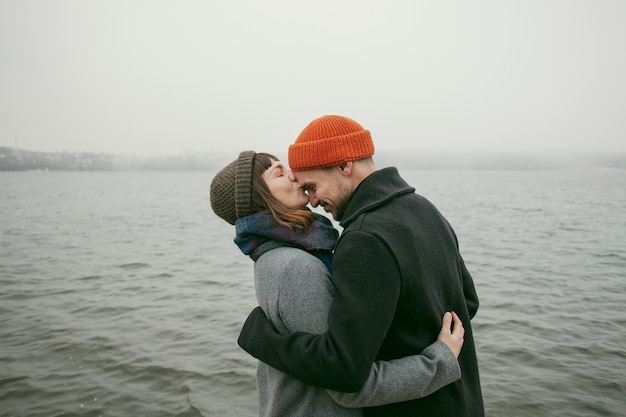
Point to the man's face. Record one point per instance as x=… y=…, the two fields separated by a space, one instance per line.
x=325 y=187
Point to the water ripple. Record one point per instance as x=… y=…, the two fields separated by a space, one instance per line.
x=106 y=310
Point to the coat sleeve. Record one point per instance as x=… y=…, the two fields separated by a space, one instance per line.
x=404 y=379
x=467 y=282
x=367 y=284
x=469 y=291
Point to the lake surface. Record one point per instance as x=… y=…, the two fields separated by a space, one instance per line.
x=122 y=294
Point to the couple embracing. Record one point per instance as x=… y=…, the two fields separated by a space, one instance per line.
x=374 y=321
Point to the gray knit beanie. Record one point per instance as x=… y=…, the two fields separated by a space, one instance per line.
x=231 y=189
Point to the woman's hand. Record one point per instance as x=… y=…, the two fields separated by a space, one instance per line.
x=452 y=332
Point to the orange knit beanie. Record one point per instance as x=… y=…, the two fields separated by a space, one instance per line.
x=330 y=141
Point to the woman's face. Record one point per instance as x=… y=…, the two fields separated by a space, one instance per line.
x=283 y=188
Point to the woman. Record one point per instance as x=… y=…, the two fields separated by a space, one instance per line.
x=291 y=248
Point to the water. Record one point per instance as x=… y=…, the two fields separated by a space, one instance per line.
x=121 y=293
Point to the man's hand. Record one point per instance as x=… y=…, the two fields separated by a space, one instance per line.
x=452 y=332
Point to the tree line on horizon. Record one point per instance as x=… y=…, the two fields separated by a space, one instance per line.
x=13 y=159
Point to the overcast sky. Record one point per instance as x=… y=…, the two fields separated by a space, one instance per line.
x=151 y=77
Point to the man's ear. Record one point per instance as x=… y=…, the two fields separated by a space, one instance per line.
x=346 y=168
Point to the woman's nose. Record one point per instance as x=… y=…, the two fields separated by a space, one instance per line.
x=291 y=177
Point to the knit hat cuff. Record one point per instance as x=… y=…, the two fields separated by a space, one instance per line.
x=327 y=152
x=243 y=184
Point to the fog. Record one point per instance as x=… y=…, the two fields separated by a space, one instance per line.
x=167 y=77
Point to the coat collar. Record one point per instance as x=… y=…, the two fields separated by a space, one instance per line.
x=377 y=189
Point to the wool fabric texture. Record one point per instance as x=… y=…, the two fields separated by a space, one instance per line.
x=329 y=141
x=260 y=232
x=231 y=188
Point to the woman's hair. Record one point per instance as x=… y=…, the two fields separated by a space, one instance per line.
x=262 y=198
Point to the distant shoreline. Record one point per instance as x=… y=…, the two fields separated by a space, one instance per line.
x=12 y=159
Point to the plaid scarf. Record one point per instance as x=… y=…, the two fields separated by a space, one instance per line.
x=259 y=233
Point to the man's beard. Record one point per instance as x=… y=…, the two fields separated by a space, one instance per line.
x=342 y=203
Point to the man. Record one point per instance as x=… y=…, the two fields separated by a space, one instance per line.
x=396 y=270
